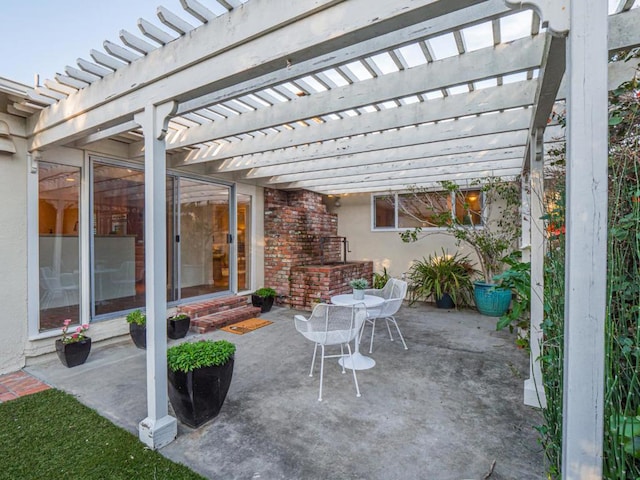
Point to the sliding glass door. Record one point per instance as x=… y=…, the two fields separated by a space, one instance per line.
x=204 y=240
x=59 y=246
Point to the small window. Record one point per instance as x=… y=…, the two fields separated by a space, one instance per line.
x=422 y=211
x=384 y=211
x=469 y=207
x=425 y=210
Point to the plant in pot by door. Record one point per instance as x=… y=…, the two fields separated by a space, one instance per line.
x=487 y=218
x=73 y=349
x=138 y=328
x=359 y=285
x=445 y=278
x=263 y=298
x=199 y=375
x=178 y=325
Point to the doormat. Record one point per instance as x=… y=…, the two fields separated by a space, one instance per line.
x=246 y=326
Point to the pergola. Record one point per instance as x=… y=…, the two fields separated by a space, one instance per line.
x=342 y=96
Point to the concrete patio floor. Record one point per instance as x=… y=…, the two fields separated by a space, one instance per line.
x=446 y=408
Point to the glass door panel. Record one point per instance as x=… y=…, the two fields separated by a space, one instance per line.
x=59 y=247
x=244 y=242
x=118 y=238
x=204 y=232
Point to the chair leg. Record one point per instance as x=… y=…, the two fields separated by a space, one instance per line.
x=373 y=331
x=355 y=379
x=321 y=373
x=399 y=332
x=313 y=360
x=342 y=356
x=386 y=320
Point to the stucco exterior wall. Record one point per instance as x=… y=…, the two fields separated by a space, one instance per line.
x=13 y=251
x=385 y=248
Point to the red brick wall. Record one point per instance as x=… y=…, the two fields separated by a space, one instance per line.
x=294 y=222
x=311 y=284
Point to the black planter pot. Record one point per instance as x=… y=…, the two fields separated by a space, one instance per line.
x=73 y=354
x=138 y=335
x=445 y=301
x=197 y=396
x=178 y=328
x=265 y=303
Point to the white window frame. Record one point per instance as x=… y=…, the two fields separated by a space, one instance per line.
x=396 y=228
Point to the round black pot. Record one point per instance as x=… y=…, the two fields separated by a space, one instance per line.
x=178 y=328
x=75 y=353
x=197 y=396
x=138 y=335
x=265 y=303
x=445 y=301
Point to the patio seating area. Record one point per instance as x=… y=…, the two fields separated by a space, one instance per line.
x=446 y=408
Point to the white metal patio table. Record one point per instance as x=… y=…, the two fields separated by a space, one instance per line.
x=357 y=361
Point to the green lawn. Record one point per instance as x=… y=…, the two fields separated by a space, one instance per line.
x=50 y=435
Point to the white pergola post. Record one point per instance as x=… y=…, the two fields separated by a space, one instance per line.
x=585 y=278
x=159 y=428
x=533 y=387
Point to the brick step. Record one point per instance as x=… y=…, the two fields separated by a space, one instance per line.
x=208 y=307
x=214 y=321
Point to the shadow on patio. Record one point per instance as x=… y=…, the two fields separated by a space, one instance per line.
x=446 y=408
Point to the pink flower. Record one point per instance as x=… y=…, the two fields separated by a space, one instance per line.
x=78 y=329
x=85 y=326
x=75 y=335
x=67 y=322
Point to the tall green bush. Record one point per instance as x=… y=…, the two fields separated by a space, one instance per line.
x=621 y=455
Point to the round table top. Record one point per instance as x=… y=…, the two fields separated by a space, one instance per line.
x=348 y=300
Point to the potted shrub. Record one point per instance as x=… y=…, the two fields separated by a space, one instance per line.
x=263 y=298
x=138 y=328
x=445 y=278
x=380 y=279
x=492 y=230
x=359 y=285
x=73 y=349
x=178 y=325
x=199 y=375
x=517 y=279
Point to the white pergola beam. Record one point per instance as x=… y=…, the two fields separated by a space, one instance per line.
x=490 y=100
x=514 y=141
x=71 y=82
x=136 y=43
x=494 y=161
x=203 y=61
x=106 y=60
x=92 y=68
x=472 y=66
x=60 y=87
x=327 y=151
x=402 y=184
x=393 y=39
x=153 y=32
x=107 y=133
x=173 y=21
x=197 y=10
x=313 y=171
x=120 y=52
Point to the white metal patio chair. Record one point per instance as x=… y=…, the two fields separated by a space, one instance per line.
x=393 y=292
x=331 y=325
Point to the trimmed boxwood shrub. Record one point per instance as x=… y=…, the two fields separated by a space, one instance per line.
x=189 y=356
